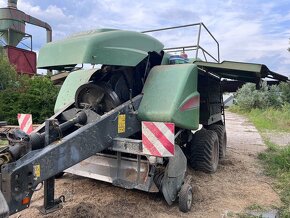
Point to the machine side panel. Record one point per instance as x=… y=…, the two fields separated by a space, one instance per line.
x=210 y=99
x=170 y=95
x=67 y=92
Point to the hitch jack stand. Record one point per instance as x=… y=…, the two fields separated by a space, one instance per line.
x=50 y=204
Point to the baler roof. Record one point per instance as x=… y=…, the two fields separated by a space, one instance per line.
x=103 y=46
x=247 y=72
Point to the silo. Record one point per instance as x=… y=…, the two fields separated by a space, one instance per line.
x=12 y=32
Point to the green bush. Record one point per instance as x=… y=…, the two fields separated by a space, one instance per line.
x=248 y=98
x=7 y=73
x=285 y=91
x=35 y=96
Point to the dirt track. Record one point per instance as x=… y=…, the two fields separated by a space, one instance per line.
x=238 y=184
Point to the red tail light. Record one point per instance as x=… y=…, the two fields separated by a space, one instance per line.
x=191 y=103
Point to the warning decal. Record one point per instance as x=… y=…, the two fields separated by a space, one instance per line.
x=121 y=123
x=36 y=171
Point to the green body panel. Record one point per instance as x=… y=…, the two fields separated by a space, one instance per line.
x=247 y=72
x=165 y=91
x=68 y=90
x=104 y=46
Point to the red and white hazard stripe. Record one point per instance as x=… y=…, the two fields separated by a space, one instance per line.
x=25 y=122
x=158 y=139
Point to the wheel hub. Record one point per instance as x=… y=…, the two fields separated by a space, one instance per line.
x=97 y=97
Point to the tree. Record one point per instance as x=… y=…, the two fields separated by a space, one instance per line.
x=7 y=73
x=21 y=94
x=35 y=96
x=274 y=96
x=285 y=91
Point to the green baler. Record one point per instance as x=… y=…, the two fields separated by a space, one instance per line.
x=134 y=122
x=171 y=95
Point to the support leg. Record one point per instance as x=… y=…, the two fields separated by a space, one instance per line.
x=50 y=204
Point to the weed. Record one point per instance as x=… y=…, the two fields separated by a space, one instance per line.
x=268 y=119
x=255 y=207
x=277 y=164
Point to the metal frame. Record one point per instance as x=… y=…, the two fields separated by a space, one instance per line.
x=3 y=123
x=196 y=47
x=20 y=178
x=50 y=204
x=26 y=36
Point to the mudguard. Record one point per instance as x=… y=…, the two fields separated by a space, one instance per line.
x=174 y=175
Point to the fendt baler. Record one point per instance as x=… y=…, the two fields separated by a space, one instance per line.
x=136 y=121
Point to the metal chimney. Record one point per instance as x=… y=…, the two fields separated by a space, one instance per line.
x=12 y=4
x=12 y=24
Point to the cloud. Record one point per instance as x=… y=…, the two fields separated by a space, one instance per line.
x=248 y=30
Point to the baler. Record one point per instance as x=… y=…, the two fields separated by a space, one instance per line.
x=135 y=120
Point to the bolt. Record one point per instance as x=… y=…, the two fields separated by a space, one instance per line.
x=29 y=186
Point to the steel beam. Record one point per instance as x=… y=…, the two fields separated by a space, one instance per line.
x=19 y=179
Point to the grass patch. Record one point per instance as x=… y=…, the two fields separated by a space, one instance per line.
x=256 y=207
x=268 y=119
x=277 y=164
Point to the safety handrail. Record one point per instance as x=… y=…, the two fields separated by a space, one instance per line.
x=196 y=47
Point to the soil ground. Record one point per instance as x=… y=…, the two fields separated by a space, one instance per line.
x=238 y=184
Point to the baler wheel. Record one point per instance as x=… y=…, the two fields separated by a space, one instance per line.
x=204 y=151
x=158 y=177
x=222 y=135
x=185 y=198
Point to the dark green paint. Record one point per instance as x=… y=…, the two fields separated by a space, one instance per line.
x=104 y=46
x=166 y=89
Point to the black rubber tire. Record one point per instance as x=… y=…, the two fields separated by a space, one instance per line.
x=204 y=151
x=222 y=135
x=185 y=198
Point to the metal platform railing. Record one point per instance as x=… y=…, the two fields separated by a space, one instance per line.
x=196 y=47
x=23 y=41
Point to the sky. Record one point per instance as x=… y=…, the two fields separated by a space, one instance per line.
x=255 y=31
